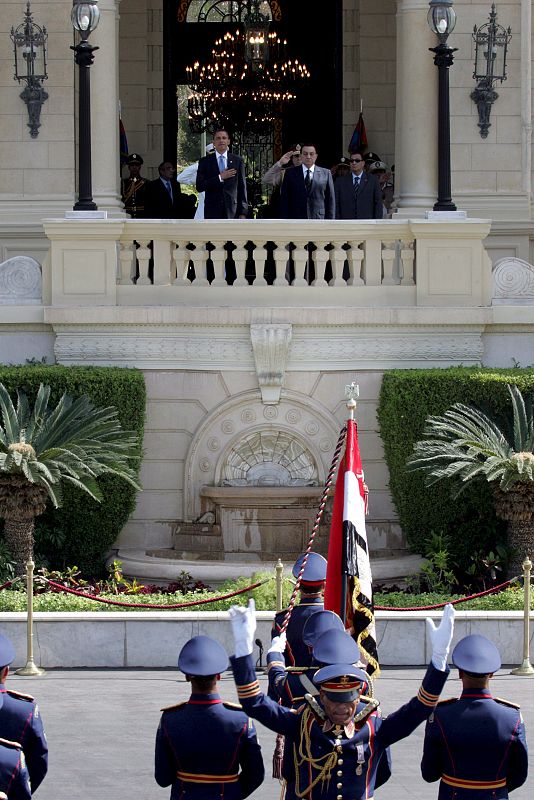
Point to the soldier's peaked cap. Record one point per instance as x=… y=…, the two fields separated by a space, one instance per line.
x=477 y=655
x=317 y=624
x=7 y=651
x=341 y=682
x=315 y=569
x=202 y=656
x=134 y=158
x=335 y=647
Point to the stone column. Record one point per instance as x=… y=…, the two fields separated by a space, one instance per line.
x=105 y=110
x=416 y=111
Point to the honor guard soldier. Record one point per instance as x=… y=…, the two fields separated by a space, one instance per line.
x=20 y=720
x=336 y=749
x=14 y=778
x=207 y=749
x=475 y=744
x=134 y=187
x=312 y=585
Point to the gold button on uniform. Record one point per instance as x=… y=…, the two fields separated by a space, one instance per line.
x=340 y=761
x=339 y=773
x=339 y=785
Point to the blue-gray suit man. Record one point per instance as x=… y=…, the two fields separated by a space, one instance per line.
x=308 y=191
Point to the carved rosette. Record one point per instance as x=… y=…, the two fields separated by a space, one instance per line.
x=513 y=280
x=20 y=281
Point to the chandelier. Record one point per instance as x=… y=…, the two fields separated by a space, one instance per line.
x=247 y=81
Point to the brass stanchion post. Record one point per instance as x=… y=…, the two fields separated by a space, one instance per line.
x=279 y=570
x=526 y=667
x=31 y=669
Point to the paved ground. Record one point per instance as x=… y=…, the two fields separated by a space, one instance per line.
x=101 y=727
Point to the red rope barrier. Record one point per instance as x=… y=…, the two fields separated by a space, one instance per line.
x=452 y=602
x=153 y=606
x=8 y=583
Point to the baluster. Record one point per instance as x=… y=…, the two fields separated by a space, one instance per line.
x=337 y=259
x=388 y=264
x=162 y=262
x=240 y=256
x=300 y=259
x=143 y=257
x=181 y=257
x=281 y=258
x=373 y=262
x=127 y=263
x=321 y=257
x=201 y=264
x=355 y=259
x=260 y=262
x=407 y=255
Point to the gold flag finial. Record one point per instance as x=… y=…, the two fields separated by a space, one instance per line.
x=352 y=391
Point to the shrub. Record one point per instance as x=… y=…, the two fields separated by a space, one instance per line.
x=82 y=531
x=407 y=398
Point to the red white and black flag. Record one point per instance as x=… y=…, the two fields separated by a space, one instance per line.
x=348 y=575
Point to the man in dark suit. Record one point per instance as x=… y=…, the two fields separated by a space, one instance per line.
x=358 y=195
x=223 y=180
x=163 y=197
x=308 y=191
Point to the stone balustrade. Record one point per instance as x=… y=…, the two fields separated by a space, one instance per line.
x=275 y=262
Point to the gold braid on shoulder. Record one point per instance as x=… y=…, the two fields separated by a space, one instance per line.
x=323 y=765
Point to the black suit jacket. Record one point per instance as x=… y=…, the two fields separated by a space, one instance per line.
x=223 y=199
x=158 y=204
x=367 y=204
x=297 y=203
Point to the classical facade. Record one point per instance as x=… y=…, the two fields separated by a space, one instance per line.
x=246 y=382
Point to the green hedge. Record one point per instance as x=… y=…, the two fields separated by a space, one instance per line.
x=407 y=398
x=82 y=531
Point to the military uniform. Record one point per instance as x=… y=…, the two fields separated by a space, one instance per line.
x=475 y=745
x=133 y=190
x=21 y=722
x=207 y=749
x=331 y=762
x=14 y=778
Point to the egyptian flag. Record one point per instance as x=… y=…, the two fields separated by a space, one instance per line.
x=358 y=142
x=123 y=142
x=348 y=554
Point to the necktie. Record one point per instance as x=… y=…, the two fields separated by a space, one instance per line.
x=169 y=188
x=357 y=183
x=308 y=180
x=221 y=164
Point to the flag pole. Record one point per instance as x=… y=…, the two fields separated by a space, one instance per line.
x=352 y=391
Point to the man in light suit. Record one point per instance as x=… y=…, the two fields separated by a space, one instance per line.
x=358 y=194
x=223 y=180
x=308 y=191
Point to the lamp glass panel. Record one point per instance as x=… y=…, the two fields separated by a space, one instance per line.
x=441 y=19
x=85 y=16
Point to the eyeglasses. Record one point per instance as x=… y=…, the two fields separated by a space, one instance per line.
x=356 y=160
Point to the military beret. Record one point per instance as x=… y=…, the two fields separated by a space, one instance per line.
x=134 y=158
x=7 y=651
x=341 y=683
x=335 y=647
x=315 y=569
x=202 y=656
x=319 y=623
x=477 y=655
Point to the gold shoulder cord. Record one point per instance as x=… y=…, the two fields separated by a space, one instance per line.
x=305 y=756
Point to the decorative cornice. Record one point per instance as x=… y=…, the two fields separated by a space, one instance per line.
x=238 y=348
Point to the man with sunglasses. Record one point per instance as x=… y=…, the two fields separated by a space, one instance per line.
x=358 y=194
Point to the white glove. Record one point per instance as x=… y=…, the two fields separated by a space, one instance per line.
x=278 y=644
x=243 y=627
x=441 y=637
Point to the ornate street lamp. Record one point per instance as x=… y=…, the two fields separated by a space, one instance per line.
x=29 y=44
x=442 y=19
x=256 y=37
x=491 y=45
x=84 y=17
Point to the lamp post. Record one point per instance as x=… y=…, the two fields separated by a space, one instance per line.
x=84 y=17
x=442 y=19
x=29 y=44
x=491 y=45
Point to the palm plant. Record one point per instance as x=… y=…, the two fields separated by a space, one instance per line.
x=42 y=447
x=465 y=444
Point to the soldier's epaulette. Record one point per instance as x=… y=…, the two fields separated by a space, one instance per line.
x=507 y=703
x=174 y=707
x=234 y=706
x=9 y=743
x=21 y=696
x=447 y=701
